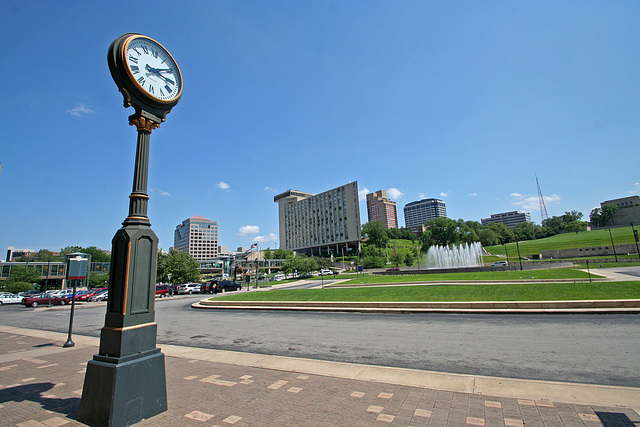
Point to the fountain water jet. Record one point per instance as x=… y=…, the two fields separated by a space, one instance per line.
x=467 y=255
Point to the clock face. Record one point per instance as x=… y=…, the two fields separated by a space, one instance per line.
x=152 y=68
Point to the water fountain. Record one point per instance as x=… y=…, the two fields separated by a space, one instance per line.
x=467 y=255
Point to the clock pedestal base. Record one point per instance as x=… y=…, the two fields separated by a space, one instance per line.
x=121 y=391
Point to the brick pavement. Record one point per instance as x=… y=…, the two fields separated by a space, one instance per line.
x=41 y=385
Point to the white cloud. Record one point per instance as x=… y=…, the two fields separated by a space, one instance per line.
x=362 y=194
x=271 y=237
x=532 y=202
x=443 y=194
x=394 y=193
x=473 y=194
x=267 y=188
x=222 y=185
x=159 y=191
x=248 y=229
x=636 y=186
x=422 y=196
x=79 y=110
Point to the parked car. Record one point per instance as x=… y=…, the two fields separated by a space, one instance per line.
x=10 y=299
x=278 y=277
x=30 y=293
x=162 y=291
x=500 y=264
x=326 y=272
x=44 y=299
x=209 y=287
x=80 y=294
x=175 y=288
x=226 y=286
x=102 y=295
x=85 y=297
x=189 y=288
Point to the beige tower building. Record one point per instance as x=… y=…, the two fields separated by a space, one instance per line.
x=379 y=208
x=198 y=237
x=313 y=223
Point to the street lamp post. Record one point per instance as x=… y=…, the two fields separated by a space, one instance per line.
x=519 y=258
x=613 y=246
x=635 y=236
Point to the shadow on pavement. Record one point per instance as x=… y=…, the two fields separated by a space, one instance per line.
x=34 y=393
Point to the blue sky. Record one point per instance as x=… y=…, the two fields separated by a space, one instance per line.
x=464 y=101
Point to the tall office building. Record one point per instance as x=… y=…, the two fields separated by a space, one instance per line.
x=198 y=237
x=508 y=218
x=419 y=212
x=328 y=220
x=379 y=208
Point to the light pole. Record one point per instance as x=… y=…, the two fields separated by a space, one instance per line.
x=613 y=246
x=635 y=236
x=387 y=250
x=519 y=259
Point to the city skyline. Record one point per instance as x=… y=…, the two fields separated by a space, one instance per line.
x=463 y=102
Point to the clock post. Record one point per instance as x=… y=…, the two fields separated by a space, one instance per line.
x=125 y=382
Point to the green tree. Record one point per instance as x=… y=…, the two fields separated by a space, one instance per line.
x=371 y=261
x=300 y=264
x=43 y=255
x=576 y=226
x=17 y=287
x=600 y=217
x=282 y=254
x=440 y=231
x=524 y=231
x=181 y=266
x=98 y=280
x=488 y=237
x=375 y=233
x=267 y=254
x=97 y=255
x=505 y=234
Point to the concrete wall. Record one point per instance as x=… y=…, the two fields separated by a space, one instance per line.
x=594 y=251
x=626 y=216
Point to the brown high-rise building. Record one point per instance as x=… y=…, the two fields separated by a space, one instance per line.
x=379 y=208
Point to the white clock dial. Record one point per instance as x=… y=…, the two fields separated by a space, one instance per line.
x=152 y=68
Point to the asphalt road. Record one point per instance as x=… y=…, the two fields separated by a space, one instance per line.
x=598 y=349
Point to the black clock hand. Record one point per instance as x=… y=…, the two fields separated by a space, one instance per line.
x=157 y=72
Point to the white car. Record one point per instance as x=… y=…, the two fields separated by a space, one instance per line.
x=10 y=299
x=500 y=264
x=326 y=272
x=189 y=288
x=279 y=277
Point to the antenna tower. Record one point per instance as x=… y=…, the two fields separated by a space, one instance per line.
x=543 y=208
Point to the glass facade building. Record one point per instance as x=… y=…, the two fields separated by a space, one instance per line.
x=419 y=212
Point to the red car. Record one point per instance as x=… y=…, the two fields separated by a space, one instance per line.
x=85 y=297
x=162 y=291
x=37 y=300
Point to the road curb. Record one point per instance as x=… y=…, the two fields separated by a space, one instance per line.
x=578 y=306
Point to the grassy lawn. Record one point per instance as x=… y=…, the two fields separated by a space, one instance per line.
x=584 y=239
x=520 y=292
x=560 y=273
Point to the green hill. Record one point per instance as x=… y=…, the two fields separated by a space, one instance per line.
x=583 y=239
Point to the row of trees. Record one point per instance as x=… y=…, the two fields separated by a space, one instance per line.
x=45 y=255
x=446 y=231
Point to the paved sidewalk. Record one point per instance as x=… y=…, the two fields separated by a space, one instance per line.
x=41 y=382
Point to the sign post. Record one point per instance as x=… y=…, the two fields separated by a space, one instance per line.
x=76 y=270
